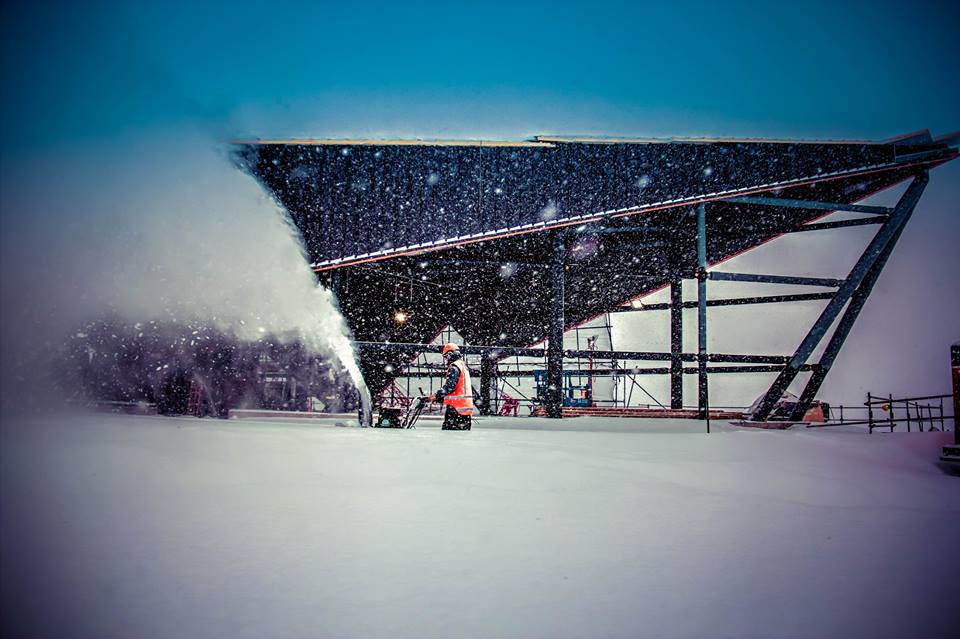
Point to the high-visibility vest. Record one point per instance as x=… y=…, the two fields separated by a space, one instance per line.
x=462 y=396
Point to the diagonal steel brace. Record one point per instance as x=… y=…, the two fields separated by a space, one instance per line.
x=851 y=284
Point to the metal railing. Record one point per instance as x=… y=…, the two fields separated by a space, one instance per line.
x=926 y=413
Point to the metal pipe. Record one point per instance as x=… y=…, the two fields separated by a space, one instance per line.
x=886 y=423
x=907 y=399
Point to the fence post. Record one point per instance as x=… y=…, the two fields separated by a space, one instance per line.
x=907 y=403
x=869 y=413
x=890 y=417
x=955 y=385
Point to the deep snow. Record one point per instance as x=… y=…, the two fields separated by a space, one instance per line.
x=119 y=526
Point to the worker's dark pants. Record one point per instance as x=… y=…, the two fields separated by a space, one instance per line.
x=452 y=420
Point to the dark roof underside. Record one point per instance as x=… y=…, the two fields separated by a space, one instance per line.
x=638 y=226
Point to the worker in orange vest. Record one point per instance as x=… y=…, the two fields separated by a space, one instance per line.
x=456 y=393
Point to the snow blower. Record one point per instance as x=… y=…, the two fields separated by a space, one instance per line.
x=392 y=417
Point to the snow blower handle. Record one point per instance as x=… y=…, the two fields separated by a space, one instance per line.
x=413 y=414
x=416 y=407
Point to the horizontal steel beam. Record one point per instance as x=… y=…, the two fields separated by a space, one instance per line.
x=773 y=279
x=809 y=204
x=503 y=351
x=450 y=261
x=614 y=230
x=746 y=359
x=734 y=301
x=767 y=299
x=745 y=369
x=689 y=370
x=573 y=372
x=822 y=226
x=611 y=372
x=408 y=347
x=652 y=244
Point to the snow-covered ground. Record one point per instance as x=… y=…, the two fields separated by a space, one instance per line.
x=119 y=526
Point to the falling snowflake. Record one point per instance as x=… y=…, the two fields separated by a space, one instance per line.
x=549 y=212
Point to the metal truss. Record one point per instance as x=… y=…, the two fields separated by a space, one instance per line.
x=855 y=289
x=844 y=302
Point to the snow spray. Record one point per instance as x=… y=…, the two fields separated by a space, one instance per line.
x=322 y=329
x=161 y=226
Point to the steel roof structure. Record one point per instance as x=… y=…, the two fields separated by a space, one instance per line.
x=511 y=242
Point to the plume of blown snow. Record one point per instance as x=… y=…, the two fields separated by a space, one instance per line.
x=161 y=226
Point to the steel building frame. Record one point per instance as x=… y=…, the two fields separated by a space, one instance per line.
x=689 y=229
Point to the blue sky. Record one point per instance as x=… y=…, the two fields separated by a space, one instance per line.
x=103 y=101
x=822 y=69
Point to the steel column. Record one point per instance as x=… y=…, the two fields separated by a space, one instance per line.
x=853 y=281
x=702 y=387
x=557 y=321
x=857 y=300
x=676 y=342
x=487 y=373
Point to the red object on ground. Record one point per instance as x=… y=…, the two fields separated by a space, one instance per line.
x=814 y=414
x=510 y=406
